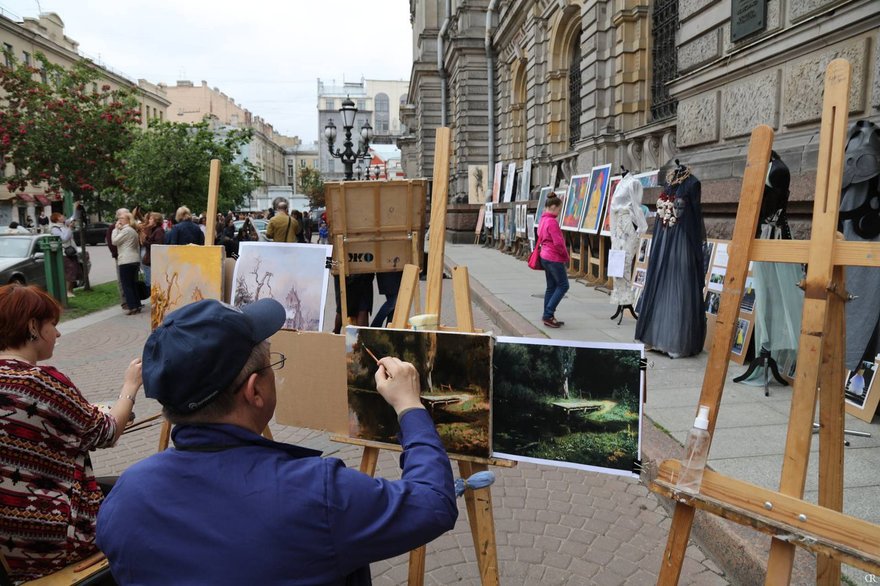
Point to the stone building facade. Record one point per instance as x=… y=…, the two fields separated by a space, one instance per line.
x=575 y=83
x=191 y=103
x=24 y=38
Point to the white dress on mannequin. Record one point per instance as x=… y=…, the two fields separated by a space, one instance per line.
x=627 y=225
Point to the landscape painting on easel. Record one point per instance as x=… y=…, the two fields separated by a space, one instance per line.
x=455 y=375
x=294 y=275
x=181 y=275
x=861 y=390
x=550 y=407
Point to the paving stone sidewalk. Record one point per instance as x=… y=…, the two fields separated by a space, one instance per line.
x=554 y=526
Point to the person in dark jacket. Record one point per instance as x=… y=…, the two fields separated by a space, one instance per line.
x=228 y=506
x=185 y=231
x=152 y=233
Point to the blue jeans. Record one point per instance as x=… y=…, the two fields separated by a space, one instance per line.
x=557 y=286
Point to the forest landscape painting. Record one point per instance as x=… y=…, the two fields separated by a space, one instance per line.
x=565 y=403
x=295 y=275
x=455 y=371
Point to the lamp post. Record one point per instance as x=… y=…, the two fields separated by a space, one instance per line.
x=348 y=156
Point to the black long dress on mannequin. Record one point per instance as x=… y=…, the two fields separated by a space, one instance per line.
x=860 y=221
x=671 y=314
x=779 y=302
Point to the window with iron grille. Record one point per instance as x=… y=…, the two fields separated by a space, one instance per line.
x=663 y=27
x=574 y=93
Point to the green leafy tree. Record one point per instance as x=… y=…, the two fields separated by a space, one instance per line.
x=168 y=166
x=63 y=128
x=312 y=185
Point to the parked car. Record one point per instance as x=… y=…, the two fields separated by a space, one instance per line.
x=22 y=260
x=260 y=225
x=17 y=230
x=95 y=233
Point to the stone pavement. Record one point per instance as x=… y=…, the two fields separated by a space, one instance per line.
x=554 y=526
x=751 y=429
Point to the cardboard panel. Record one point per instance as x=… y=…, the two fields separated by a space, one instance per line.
x=312 y=388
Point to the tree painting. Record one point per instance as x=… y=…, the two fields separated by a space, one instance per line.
x=567 y=402
x=478 y=183
x=183 y=275
x=294 y=275
x=455 y=383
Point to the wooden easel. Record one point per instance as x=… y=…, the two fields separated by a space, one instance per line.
x=478 y=502
x=822 y=528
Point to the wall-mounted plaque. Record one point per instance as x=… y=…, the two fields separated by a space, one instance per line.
x=747 y=17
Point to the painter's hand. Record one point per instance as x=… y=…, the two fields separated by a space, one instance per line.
x=133 y=376
x=398 y=383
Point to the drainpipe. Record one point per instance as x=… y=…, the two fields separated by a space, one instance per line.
x=440 y=69
x=490 y=72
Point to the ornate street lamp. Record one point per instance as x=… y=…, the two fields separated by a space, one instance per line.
x=348 y=156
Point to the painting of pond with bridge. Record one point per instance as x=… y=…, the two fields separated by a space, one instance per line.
x=455 y=374
x=566 y=403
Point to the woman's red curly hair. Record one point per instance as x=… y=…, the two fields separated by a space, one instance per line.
x=18 y=305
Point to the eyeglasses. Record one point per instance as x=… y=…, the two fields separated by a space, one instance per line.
x=277 y=361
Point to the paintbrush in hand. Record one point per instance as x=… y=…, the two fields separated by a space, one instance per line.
x=373 y=356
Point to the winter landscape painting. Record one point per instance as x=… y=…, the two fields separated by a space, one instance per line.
x=455 y=372
x=181 y=275
x=565 y=403
x=295 y=275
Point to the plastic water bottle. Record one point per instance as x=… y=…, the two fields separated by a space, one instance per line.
x=696 y=451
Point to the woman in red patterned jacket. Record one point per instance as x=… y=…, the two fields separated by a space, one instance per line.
x=49 y=497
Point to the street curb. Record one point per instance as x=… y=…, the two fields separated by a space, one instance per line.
x=740 y=552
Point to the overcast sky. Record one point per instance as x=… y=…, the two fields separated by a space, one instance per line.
x=265 y=54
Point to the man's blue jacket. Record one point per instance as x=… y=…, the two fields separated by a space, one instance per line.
x=185 y=232
x=227 y=506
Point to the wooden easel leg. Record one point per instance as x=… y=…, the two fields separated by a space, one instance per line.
x=164 y=436
x=676 y=545
x=369 y=459
x=464 y=314
x=417 y=566
x=343 y=271
x=479 y=507
x=831 y=420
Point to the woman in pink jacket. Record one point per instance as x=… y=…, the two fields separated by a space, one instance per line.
x=554 y=257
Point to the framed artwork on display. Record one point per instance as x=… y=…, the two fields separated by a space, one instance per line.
x=509 y=182
x=478 y=183
x=554 y=174
x=591 y=221
x=708 y=250
x=542 y=201
x=649 y=178
x=481 y=218
x=530 y=230
x=639 y=277
x=496 y=182
x=748 y=299
x=575 y=203
x=716 y=278
x=713 y=301
x=526 y=182
x=490 y=215
x=644 y=251
x=741 y=337
x=860 y=390
x=606 y=222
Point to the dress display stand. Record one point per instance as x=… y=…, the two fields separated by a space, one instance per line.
x=671 y=312
x=779 y=301
x=628 y=223
x=860 y=222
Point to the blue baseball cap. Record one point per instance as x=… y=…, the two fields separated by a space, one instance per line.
x=200 y=348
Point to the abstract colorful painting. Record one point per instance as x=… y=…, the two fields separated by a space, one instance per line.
x=592 y=219
x=575 y=202
x=550 y=407
x=455 y=377
x=295 y=275
x=181 y=275
x=606 y=223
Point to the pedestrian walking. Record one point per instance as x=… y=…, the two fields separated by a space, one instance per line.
x=554 y=257
x=49 y=428
x=300 y=231
x=185 y=231
x=282 y=228
x=307 y=227
x=323 y=233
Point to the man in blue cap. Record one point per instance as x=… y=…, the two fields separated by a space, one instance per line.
x=227 y=506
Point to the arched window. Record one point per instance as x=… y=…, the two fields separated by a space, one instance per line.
x=518 y=109
x=383 y=115
x=574 y=93
x=403 y=99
